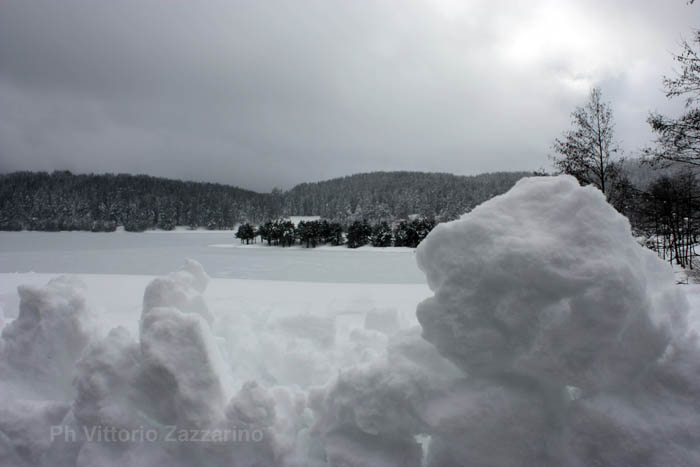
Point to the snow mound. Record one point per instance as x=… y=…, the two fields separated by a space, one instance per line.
x=174 y=383
x=48 y=336
x=182 y=369
x=563 y=324
x=546 y=281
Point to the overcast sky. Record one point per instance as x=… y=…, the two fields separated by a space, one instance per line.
x=271 y=93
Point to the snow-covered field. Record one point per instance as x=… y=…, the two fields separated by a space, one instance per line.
x=158 y=252
x=546 y=337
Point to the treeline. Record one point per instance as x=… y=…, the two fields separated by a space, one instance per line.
x=388 y=196
x=666 y=214
x=283 y=232
x=65 y=201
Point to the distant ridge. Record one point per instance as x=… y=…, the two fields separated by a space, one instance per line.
x=101 y=202
x=385 y=195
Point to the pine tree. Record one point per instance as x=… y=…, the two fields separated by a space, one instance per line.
x=246 y=232
x=335 y=235
x=358 y=234
x=381 y=235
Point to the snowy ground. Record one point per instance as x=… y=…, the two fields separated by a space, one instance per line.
x=157 y=253
x=548 y=337
x=319 y=295
x=118 y=300
x=253 y=285
x=282 y=334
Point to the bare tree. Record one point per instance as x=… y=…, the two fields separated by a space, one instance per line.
x=678 y=139
x=668 y=214
x=586 y=151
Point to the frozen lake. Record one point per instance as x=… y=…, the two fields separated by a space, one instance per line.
x=157 y=253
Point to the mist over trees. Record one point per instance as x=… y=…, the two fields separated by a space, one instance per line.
x=64 y=201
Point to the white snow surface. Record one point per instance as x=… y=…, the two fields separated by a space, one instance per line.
x=222 y=256
x=573 y=336
x=189 y=352
x=551 y=339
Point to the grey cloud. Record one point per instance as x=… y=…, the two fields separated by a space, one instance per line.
x=264 y=94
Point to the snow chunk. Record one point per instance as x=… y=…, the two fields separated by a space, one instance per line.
x=193 y=274
x=547 y=281
x=183 y=378
x=103 y=378
x=181 y=289
x=253 y=405
x=370 y=414
x=174 y=376
x=24 y=433
x=181 y=372
x=48 y=336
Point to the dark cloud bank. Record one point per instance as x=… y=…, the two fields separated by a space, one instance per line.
x=263 y=94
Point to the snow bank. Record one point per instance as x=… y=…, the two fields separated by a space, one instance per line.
x=547 y=282
x=248 y=375
x=568 y=341
x=370 y=414
x=573 y=335
x=173 y=382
